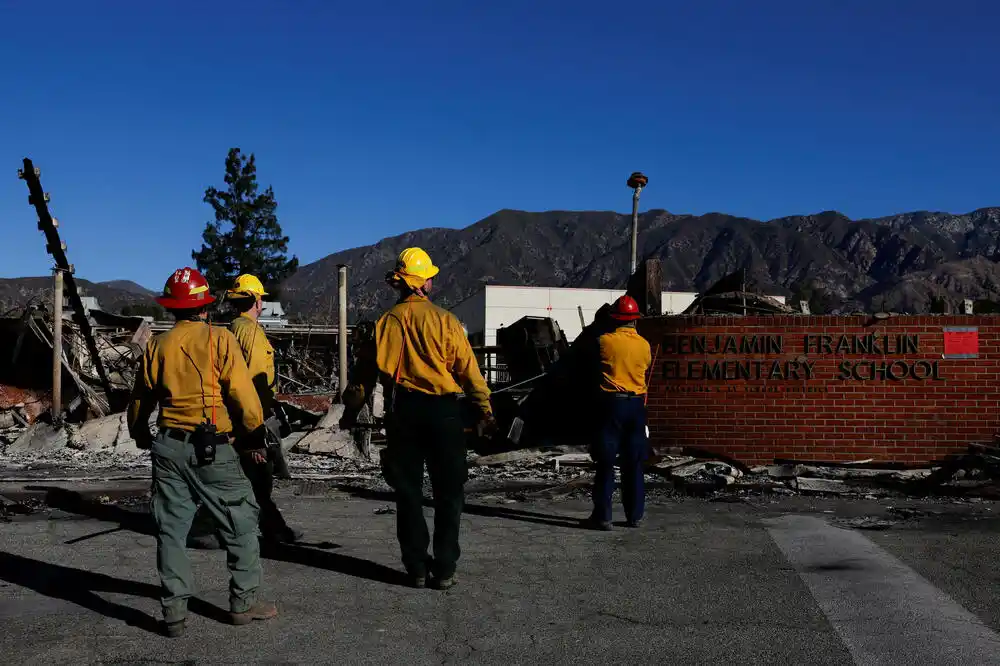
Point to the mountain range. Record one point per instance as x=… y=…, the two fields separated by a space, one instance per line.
x=902 y=263
x=911 y=262
x=113 y=295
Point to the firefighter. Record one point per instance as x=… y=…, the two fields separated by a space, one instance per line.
x=196 y=374
x=424 y=361
x=245 y=297
x=621 y=362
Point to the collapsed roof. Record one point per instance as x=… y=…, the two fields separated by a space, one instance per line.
x=736 y=293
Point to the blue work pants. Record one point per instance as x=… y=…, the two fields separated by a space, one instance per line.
x=620 y=434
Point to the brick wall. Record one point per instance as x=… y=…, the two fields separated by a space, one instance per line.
x=824 y=388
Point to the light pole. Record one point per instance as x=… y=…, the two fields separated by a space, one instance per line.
x=636 y=181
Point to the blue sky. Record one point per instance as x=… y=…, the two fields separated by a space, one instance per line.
x=372 y=122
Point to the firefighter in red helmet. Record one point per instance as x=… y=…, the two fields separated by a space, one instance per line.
x=622 y=360
x=196 y=375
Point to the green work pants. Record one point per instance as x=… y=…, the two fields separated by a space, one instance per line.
x=427 y=429
x=261 y=477
x=179 y=483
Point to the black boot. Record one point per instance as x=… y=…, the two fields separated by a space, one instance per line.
x=593 y=523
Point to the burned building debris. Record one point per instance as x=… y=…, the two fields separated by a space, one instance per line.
x=91 y=420
x=26 y=394
x=736 y=294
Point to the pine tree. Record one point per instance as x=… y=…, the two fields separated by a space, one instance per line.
x=245 y=236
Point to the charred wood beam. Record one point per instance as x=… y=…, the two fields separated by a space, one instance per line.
x=25 y=322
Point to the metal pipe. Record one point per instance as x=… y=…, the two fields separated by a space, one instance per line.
x=342 y=328
x=57 y=303
x=514 y=386
x=295 y=381
x=635 y=231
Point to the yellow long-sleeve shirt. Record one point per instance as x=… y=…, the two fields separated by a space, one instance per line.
x=257 y=349
x=423 y=348
x=176 y=373
x=625 y=358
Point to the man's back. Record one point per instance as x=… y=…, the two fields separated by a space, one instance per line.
x=256 y=348
x=187 y=375
x=625 y=358
x=423 y=348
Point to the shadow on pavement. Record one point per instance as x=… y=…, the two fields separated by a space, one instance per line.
x=81 y=587
x=476 y=509
x=345 y=564
x=74 y=502
x=312 y=555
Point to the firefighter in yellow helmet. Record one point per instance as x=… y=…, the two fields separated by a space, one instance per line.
x=246 y=297
x=196 y=376
x=424 y=361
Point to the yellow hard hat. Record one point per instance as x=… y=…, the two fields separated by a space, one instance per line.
x=247 y=285
x=414 y=262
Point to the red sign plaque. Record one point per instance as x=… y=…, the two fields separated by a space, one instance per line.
x=961 y=342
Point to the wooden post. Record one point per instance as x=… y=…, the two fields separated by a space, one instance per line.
x=57 y=302
x=646 y=287
x=342 y=329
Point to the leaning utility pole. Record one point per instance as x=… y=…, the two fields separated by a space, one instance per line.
x=57 y=248
x=636 y=181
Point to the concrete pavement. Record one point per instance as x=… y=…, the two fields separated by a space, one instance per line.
x=701 y=582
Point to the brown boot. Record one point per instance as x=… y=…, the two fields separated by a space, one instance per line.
x=260 y=610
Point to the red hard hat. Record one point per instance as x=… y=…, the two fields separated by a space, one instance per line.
x=185 y=289
x=625 y=309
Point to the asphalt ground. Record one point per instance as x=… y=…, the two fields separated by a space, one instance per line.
x=753 y=581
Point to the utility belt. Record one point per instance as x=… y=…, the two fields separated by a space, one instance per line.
x=187 y=436
x=622 y=394
x=204 y=438
x=402 y=390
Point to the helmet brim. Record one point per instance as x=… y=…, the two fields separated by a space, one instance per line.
x=171 y=303
x=245 y=294
x=625 y=317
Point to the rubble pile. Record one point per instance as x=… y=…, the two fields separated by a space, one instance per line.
x=975 y=474
x=19 y=408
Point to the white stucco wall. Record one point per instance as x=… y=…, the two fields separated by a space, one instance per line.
x=496 y=306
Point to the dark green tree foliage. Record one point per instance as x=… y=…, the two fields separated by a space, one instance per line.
x=245 y=236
